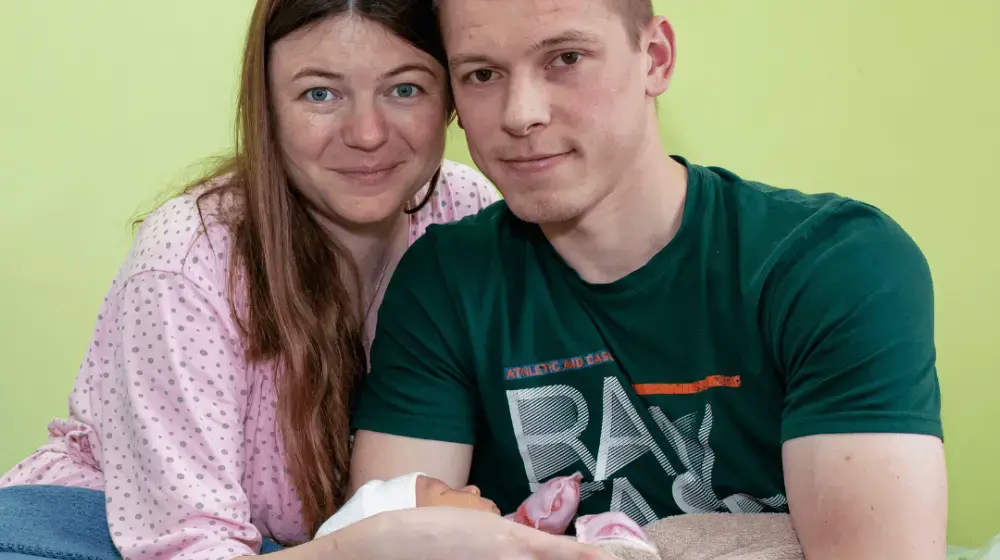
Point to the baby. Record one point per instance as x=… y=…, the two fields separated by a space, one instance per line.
x=550 y=509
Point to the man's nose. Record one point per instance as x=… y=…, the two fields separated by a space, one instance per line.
x=527 y=106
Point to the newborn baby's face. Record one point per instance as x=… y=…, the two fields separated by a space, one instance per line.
x=432 y=492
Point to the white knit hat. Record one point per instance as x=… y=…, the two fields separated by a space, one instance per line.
x=375 y=497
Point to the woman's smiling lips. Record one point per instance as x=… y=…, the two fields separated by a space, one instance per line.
x=367 y=174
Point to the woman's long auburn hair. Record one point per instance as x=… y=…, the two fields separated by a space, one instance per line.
x=297 y=310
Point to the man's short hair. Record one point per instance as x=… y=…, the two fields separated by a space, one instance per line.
x=636 y=15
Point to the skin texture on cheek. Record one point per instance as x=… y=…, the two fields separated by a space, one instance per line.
x=302 y=139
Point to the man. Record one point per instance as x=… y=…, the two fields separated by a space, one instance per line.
x=687 y=340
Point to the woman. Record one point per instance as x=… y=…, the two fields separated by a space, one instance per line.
x=212 y=408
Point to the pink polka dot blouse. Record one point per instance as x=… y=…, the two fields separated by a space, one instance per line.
x=164 y=416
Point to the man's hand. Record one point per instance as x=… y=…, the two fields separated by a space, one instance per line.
x=864 y=496
x=378 y=456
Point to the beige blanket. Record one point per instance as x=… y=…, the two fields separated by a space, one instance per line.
x=717 y=536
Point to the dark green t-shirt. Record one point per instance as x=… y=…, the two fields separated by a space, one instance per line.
x=771 y=315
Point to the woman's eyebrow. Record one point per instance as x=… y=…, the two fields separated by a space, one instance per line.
x=312 y=72
x=409 y=67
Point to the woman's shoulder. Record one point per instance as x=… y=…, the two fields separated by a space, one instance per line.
x=460 y=179
x=461 y=191
x=186 y=235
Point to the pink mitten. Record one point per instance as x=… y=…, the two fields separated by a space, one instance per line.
x=612 y=526
x=551 y=507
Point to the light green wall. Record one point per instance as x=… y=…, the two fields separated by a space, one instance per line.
x=105 y=104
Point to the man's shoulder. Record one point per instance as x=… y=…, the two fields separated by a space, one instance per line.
x=783 y=206
x=775 y=222
x=820 y=255
x=471 y=254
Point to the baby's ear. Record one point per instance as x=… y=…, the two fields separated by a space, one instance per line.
x=472 y=489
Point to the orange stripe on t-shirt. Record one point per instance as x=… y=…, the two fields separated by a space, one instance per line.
x=687 y=388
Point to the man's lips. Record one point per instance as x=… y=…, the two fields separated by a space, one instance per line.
x=534 y=163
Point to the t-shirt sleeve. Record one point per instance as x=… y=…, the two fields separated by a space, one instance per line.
x=851 y=319
x=421 y=383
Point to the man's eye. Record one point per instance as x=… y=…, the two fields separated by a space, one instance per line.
x=569 y=58
x=482 y=76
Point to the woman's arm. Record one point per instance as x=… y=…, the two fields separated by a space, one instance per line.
x=174 y=400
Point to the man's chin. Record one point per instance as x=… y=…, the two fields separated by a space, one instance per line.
x=541 y=212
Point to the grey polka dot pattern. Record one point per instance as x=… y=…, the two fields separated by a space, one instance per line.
x=461 y=192
x=165 y=416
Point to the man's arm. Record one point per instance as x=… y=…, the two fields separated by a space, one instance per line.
x=851 y=312
x=864 y=496
x=417 y=408
x=379 y=456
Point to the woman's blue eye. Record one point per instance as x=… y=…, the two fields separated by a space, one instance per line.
x=319 y=94
x=405 y=90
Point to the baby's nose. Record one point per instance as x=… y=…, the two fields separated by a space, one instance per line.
x=472 y=489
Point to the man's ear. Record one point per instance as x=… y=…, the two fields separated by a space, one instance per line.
x=660 y=47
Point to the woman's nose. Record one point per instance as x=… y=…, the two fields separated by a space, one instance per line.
x=365 y=129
